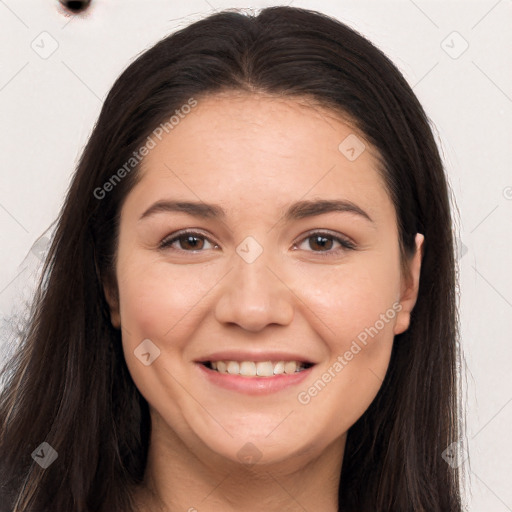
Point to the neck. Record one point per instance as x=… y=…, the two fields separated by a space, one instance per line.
x=179 y=479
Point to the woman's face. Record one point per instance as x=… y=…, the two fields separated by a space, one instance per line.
x=267 y=277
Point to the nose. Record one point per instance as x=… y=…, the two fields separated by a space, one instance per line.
x=254 y=295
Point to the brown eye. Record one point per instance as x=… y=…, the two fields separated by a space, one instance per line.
x=323 y=243
x=320 y=242
x=187 y=241
x=191 y=242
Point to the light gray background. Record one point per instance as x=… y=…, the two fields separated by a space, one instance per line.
x=50 y=101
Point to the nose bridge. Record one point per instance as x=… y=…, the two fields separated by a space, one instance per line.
x=254 y=296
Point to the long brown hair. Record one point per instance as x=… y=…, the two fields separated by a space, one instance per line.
x=68 y=384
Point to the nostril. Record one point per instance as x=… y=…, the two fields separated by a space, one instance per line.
x=75 y=6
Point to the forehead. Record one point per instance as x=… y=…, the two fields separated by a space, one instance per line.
x=254 y=149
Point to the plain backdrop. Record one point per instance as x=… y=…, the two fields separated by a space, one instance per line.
x=55 y=71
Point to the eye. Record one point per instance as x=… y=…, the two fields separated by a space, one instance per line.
x=189 y=241
x=322 y=243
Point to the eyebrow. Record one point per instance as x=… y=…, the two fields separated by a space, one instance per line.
x=296 y=211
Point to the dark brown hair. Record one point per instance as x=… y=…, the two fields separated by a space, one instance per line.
x=68 y=383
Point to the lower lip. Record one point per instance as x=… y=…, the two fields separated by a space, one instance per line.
x=254 y=385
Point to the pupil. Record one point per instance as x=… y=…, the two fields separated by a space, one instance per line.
x=321 y=244
x=190 y=240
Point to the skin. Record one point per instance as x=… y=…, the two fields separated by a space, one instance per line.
x=254 y=155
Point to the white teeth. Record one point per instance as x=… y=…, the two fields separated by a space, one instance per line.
x=265 y=369
x=233 y=367
x=260 y=368
x=248 y=368
x=279 y=368
x=290 y=367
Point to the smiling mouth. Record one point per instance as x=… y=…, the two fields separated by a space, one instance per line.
x=257 y=368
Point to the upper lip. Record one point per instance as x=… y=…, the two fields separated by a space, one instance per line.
x=243 y=355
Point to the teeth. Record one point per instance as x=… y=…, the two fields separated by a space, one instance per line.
x=290 y=367
x=264 y=369
x=260 y=368
x=279 y=368
x=233 y=367
x=248 y=369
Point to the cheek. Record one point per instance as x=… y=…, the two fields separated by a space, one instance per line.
x=162 y=303
x=353 y=297
x=355 y=312
x=360 y=320
x=159 y=301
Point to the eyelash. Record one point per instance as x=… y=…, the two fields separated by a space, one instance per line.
x=344 y=242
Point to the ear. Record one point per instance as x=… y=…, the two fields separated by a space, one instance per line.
x=113 y=302
x=409 y=287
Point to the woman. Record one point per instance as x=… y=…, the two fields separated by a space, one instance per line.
x=249 y=301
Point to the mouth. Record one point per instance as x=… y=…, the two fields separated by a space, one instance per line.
x=255 y=369
x=261 y=377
